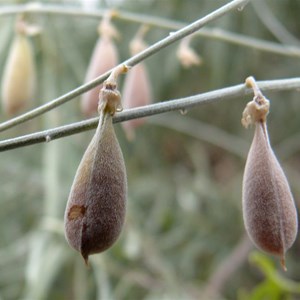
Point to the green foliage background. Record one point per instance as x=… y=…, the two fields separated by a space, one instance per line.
x=184 y=204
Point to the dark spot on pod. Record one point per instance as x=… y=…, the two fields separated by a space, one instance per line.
x=75 y=212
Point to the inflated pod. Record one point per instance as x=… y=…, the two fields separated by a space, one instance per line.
x=269 y=210
x=96 y=206
x=19 y=78
x=137 y=90
x=104 y=58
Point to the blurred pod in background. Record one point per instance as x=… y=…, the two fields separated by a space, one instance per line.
x=19 y=77
x=105 y=57
x=187 y=55
x=137 y=87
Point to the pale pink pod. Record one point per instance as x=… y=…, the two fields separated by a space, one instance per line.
x=104 y=58
x=269 y=210
x=19 y=77
x=187 y=55
x=136 y=92
x=137 y=88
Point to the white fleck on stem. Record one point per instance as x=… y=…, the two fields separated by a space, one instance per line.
x=48 y=138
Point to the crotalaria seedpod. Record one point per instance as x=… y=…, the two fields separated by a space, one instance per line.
x=19 y=78
x=96 y=206
x=268 y=207
x=104 y=58
x=137 y=87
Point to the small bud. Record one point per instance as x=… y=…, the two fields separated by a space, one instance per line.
x=96 y=206
x=269 y=210
x=19 y=78
x=104 y=58
x=137 y=88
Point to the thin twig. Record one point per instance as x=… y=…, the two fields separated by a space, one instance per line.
x=213 y=33
x=227 y=268
x=266 y=16
x=205 y=132
x=221 y=138
x=171 y=38
x=250 y=42
x=149 y=110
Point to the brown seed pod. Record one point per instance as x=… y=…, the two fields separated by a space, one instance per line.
x=96 y=206
x=19 y=78
x=137 y=87
x=104 y=58
x=269 y=210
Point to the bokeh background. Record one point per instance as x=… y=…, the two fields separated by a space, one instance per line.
x=184 y=236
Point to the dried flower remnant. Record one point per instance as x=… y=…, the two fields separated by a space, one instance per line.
x=96 y=206
x=104 y=58
x=186 y=55
x=19 y=77
x=137 y=88
x=269 y=210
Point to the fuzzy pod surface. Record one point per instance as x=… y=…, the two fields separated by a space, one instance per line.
x=96 y=206
x=269 y=210
x=19 y=78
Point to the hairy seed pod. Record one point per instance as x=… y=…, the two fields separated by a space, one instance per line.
x=137 y=90
x=104 y=58
x=96 y=206
x=19 y=78
x=268 y=207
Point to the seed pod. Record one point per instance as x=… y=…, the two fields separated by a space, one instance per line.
x=19 y=78
x=137 y=92
x=104 y=58
x=137 y=88
x=96 y=206
x=268 y=207
x=186 y=55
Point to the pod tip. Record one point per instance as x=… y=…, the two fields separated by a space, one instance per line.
x=282 y=262
x=86 y=259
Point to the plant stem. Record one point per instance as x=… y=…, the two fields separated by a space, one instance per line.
x=279 y=31
x=213 y=33
x=227 y=268
x=149 y=110
x=170 y=39
x=204 y=132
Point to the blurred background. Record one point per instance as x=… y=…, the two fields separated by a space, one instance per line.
x=184 y=236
